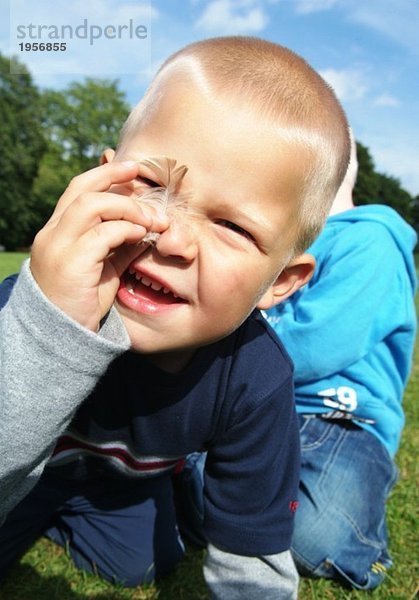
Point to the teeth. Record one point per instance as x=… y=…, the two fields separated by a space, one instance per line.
x=130 y=288
x=157 y=287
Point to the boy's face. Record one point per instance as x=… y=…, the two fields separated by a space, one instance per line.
x=206 y=273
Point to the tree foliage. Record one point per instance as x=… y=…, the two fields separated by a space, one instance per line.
x=366 y=187
x=22 y=144
x=78 y=123
x=84 y=119
x=373 y=187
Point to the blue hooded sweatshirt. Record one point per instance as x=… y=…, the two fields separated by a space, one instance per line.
x=351 y=330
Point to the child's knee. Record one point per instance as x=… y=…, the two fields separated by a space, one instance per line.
x=140 y=574
x=309 y=557
x=134 y=576
x=130 y=570
x=316 y=538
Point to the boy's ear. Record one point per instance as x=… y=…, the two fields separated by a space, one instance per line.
x=296 y=274
x=107 y=156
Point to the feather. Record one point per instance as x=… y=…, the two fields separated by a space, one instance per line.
x=163 y=198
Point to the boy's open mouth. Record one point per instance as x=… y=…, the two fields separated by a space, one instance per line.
x=142 y=287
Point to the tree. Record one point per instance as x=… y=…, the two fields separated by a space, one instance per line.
x=367 y=185
x=414 y=212
x=84 y=119
x=391 y=193
x=373 y=187
x=22 y=145
x=79 y=123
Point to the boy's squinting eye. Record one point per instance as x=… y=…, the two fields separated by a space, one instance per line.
x=236 y=228
x=147 y=181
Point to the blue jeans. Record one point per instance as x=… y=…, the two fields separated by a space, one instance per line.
x=340 y=529
x=124 y=531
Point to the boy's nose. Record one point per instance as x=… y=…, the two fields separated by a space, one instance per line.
x=179 y=241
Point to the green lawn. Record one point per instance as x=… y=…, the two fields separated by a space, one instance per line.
x=10 y=263
x=46 y=572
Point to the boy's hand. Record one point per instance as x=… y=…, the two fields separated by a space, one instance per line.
x=89 y=241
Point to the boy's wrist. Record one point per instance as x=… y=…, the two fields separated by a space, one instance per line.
x=62 y=336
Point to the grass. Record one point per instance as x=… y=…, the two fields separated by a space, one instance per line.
x=10 y=263
x=46 y=572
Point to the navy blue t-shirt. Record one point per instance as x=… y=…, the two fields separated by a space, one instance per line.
x=233 y=400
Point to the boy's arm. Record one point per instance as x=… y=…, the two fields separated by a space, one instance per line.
x=234 y=577
x=50 y=353
x=48 y=365
x=250 y=487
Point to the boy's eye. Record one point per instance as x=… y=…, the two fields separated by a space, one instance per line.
x=147 y=181
x=236 y=228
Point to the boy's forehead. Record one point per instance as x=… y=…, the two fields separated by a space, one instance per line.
x=181 y=103
x=224 y=141
x=187 y=97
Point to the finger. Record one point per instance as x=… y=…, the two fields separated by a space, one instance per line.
x=98 y=179
x=91 y=209
x=116 y=264
x=100 y=241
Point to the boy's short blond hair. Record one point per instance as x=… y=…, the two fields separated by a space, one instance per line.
x=286 y=92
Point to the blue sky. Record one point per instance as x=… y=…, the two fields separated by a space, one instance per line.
x=368 y=50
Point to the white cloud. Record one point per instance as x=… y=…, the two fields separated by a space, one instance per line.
x=310 y=6
x=386 y=100
x=349 y=84
x=396 y=19
x=233 y=17
x=101 y=37
x=102 y=11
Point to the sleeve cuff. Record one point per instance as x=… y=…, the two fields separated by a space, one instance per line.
x=63 y=337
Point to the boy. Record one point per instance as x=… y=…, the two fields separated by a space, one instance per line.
x=154 y=351
x=350 y=333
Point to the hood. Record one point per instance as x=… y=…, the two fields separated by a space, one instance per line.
x=403 y=234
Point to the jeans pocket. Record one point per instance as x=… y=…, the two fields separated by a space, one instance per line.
x=314 y=432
